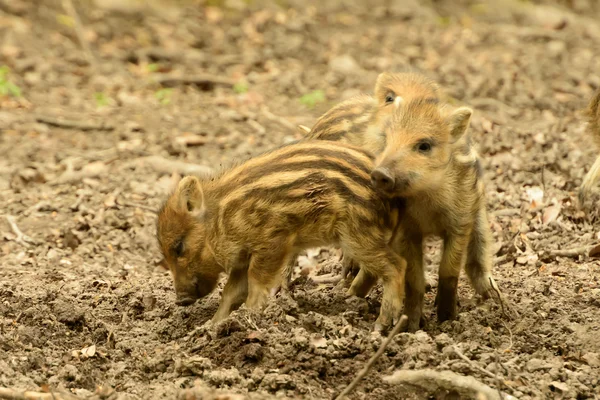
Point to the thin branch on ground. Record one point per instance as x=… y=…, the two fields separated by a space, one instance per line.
x=167 y=166
x=571 y=253
x=433 y=381
x=137 y=205
x=402 y=323
x=472 y=364
x=12 y=394
x=269 y=115
x=78 y=27
x=21 y=238
x=507 y=212
x=73 y=124
x=198 y=79
x=325 y=279
x=510 y=338
x=499 y=295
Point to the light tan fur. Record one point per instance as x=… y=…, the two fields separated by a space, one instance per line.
x=434 y=166
x=591 y=178
x=248 y=222
x=359 y=121
x=444 y=191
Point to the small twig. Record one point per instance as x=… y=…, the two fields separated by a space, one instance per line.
x=137 y=205
x=199 y=79
x=11 y=394
x=325 y=279
x=257 y=127
x=78 y=27
x=269 y=115
x=472 y=364
x=433 y=381
x=400 y=325
x=572 y=253
x=510 y=338
x=19 y=317
x=21 y=238
x=500 y=300
x=167 y=166
x=507 y=212
x=73 y=124
x=500 y=259
x=252 y=323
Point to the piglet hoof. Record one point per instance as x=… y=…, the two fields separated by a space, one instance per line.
x=351 y=292
x=379 y=328
x=413 y=326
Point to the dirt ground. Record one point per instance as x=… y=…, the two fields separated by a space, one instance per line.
x=87 y=157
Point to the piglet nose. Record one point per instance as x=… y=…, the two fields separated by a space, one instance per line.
x=186 y=301
x=382 y=179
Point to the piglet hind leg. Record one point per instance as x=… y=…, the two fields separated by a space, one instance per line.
x=391 y=268
x=362 y=284
x=234 y=293
x=265 y=273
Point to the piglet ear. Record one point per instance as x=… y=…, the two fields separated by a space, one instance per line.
x=382 y=86
x=190 y=196
x=459 y=121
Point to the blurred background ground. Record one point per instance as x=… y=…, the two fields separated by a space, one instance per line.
x=88 y=146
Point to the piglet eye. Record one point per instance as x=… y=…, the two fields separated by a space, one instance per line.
x=389 y=98
x=424 y=147
x=179 y=248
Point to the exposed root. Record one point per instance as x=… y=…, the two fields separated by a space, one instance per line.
x=401 y=325
x=434 y=381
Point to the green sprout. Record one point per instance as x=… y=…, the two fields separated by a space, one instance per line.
x=153 y=67
x=164 y=96
x=101 y=99
x=313 y=98
x=7 y=88
x=240 y=87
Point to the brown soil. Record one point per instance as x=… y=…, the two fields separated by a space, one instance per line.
x=85 y=273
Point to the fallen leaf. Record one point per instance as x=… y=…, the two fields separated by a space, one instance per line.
x=535 y=196
x=89 y=351
x=319 y=342
x=254 y=336
x=551 y=213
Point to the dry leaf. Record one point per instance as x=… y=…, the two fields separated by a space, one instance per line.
x=255 y=336
x=551 y=213
x=319 y=342
x=89 y=351
x=535 y=196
